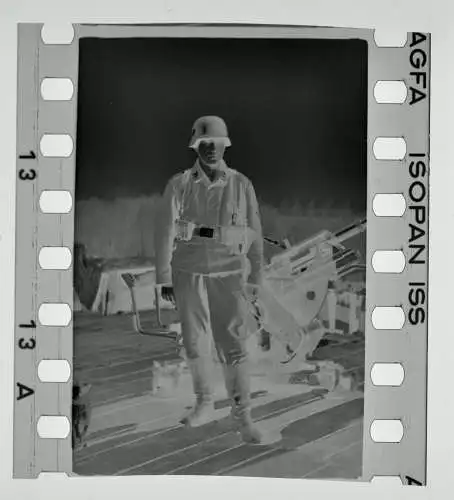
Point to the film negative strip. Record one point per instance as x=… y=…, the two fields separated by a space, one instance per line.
x=372 y=112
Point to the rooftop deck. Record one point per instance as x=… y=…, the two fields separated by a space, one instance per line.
x=136 y=432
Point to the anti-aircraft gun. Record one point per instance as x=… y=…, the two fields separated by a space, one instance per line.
x=296 y=286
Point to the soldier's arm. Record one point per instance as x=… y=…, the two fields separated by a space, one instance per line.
x=255 y=254
x=165 y=232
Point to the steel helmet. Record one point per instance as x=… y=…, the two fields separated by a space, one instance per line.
x=209 y=127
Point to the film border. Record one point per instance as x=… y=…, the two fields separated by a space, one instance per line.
x=408 y=290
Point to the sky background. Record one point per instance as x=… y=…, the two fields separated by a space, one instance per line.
x=296 y=112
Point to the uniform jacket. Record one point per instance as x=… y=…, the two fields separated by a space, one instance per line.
x=229 y=200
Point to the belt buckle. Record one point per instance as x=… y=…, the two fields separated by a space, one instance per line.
x=206 y=232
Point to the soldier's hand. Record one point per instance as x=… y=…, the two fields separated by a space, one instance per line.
x=168 y=294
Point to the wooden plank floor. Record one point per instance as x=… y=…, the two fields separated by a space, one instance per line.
x=111 y=356
x=135 y=432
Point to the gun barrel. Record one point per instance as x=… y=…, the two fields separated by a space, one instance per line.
x=298 y=248
x=275 y=242
x=304 y=263
x=322 y=237
x=349 y=269
x=351 y=230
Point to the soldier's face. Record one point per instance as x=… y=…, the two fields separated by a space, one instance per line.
x=211 y=152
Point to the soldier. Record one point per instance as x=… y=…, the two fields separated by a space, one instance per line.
x=208 y=230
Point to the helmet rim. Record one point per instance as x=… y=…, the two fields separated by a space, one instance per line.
x=209 y=127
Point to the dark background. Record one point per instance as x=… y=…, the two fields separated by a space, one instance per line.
x=296 y=112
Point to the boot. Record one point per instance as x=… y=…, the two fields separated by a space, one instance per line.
x=202 y=412
x=249 y=432
x=237 y=385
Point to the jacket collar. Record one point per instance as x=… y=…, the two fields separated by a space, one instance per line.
x=198 y=175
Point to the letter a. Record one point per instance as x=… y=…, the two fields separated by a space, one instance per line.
x=24 y=391
x=416 y=95
x=417 y=38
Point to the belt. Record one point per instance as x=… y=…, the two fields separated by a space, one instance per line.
x=204 y=232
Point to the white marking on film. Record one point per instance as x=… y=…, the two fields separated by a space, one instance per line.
x=53 y=427
x=388 y=261
x=387 y=374
x=55 y=202
x=57 y=89
x=388 y=318
x=387 y=481
x=57 y=34
x=54 y=314
x=52 y=476
x=56 y=145
x=55 y=258
x=390 y=38
x=54 y=370
x=386 y=431
x=389 y=205
x=390 y=92
x=390 y=148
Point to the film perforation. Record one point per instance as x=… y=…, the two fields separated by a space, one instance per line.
x=396 y=141
x=388 y=317
x=387 y=431
x=386 y=480
x=53 y=427
x=388 y=261
x=390 y=148
x=55 y=202
x=57 y=89
x=57 y=34
x=55 y=314
x=390 y=92
x=55 y=258
x=56 y=145
x=389 y=205
x=387 y=374
x=54 y=371
x=386 y=39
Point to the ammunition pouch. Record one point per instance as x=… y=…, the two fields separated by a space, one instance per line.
x=184 y=230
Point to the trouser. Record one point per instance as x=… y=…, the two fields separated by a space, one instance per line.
x=204 y=301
